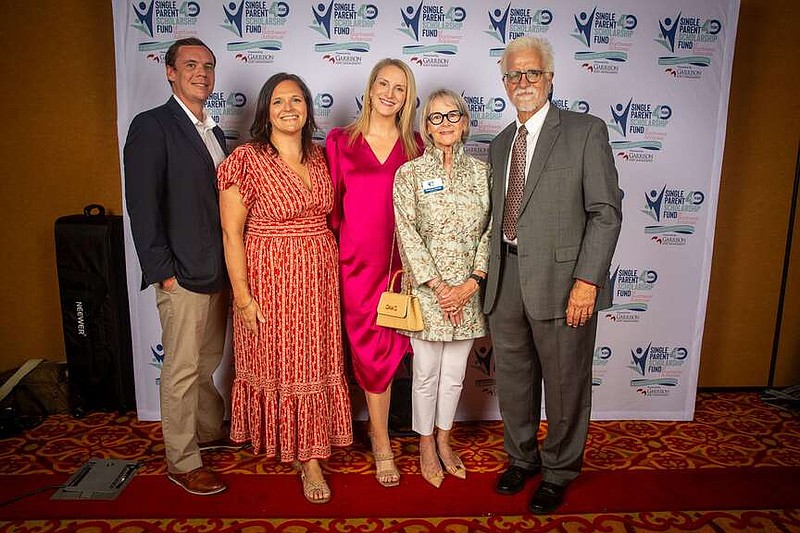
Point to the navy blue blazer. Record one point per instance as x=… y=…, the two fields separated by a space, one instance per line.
x=172 y=199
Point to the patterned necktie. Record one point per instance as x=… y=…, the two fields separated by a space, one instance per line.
x=516 y=184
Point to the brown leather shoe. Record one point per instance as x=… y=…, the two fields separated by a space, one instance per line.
x=200 y=481
x=224 y=443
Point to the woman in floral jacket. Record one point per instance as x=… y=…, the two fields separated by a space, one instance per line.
x=442 y=211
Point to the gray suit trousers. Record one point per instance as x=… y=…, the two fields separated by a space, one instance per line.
x=526 y=350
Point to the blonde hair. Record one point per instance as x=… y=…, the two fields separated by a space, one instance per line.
x=405 y=118
x=457 y=100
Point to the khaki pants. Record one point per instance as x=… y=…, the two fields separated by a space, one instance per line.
x=193 y=336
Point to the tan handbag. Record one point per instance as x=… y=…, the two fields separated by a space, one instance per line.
x=399 y=310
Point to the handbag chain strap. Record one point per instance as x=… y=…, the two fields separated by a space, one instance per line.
x=392 y=278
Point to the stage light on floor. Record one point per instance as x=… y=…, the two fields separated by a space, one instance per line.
x=98 y=479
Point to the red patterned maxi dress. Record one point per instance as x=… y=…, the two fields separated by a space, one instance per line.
x=290 y=397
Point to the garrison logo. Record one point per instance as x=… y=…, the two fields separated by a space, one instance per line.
x=482 y=360
x=436 y=30
x=515 y=21
x=348 y=29
x=227 y=110
x=675 y=211
x=607 y=37
x=642 y=126
x=631 y=290
x=600 y=360
x=657 y=369
x=485 y=121
x=691 y=42
x=567 y=104
x=323 y=109
x=163 y=21
x=259 y=27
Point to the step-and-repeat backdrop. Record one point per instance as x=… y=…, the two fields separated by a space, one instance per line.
x=656 y=71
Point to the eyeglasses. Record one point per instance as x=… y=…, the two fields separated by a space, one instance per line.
x=532 y=75
x=452 y=117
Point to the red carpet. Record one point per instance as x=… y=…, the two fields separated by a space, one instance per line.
x=358 y=496
x=736 y=467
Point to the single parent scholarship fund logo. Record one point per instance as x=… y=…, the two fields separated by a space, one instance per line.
x=600 y=361
x=323 y=109
x=657 y=368
x=642 y=127
x=227 y=110
x=482 y=360
x=632 y=291
x=436 y=30
x=675 y=212
x=607 y=37
x=578 y=105
x=157 y=359
x=485 y=121
x=516 y=20
x=163 y=22
x=348 y=29
x=691 y=42
x=259 y=28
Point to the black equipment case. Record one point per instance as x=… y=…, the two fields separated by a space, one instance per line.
x=90 y=258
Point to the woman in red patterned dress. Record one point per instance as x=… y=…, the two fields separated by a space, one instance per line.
x=290 y=396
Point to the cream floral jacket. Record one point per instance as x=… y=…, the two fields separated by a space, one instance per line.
x=443 y=224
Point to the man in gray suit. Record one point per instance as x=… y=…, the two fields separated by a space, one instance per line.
x=557 y=216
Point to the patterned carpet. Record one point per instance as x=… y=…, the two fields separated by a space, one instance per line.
x=736 y=467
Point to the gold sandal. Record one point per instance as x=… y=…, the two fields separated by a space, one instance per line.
x=385 y=470
x=313 y=488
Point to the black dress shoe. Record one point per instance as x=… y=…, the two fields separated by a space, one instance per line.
x=547 y=498
x=513 y=480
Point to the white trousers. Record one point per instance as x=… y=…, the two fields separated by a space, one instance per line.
x=438 y=378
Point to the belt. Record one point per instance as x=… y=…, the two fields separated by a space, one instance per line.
x=509 y=248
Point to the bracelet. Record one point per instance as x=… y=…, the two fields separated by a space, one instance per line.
x=243 y=307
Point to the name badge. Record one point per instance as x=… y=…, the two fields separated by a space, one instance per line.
x=434 y=185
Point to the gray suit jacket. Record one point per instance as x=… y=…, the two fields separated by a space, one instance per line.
x=570 y=215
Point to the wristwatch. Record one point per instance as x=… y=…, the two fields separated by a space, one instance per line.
x=478 y=279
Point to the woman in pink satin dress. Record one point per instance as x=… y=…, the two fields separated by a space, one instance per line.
x=363 y=158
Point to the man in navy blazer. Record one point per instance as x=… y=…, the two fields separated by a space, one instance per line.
x=170 y=158
x=556 y=219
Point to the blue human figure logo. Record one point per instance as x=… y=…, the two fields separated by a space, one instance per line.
x=322 y=15
x=234 y=15
x=144 y=13
x=612 y=286
x=499 y=19
x=654 y=201
x=669 y=28
x=411 y=19
x=583 y=24
x=620 y=117
x=639 y=358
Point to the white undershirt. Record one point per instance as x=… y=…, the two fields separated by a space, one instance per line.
x=204 y=128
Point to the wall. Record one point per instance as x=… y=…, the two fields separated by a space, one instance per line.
x=755 y=198
x=61 y=154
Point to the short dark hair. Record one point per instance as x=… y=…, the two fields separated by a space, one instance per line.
x=172 y=52
x=261 y=130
